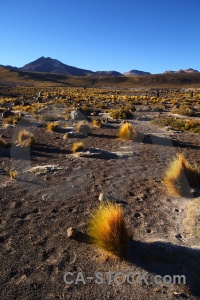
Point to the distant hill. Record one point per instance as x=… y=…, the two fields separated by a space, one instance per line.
x=54 y=66
x=10 y=77
x=136 y=73
x=181 y=71
x=49 y=65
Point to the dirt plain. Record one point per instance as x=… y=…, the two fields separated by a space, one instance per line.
x=38 y=208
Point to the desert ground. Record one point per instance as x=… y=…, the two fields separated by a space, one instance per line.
x=53 y=189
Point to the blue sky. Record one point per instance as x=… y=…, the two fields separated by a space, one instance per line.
x=152 y=36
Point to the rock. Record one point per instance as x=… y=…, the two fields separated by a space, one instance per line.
x=71 y=232
x=77 y=115
x=101 y=197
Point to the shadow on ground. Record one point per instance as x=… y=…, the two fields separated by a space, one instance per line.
x=163 y=258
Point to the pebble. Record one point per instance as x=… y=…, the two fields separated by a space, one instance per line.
x=71 y=232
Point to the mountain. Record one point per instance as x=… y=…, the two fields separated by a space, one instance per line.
x=181 y=71
x=136 y=73
x=54 y=66
x=49 y=65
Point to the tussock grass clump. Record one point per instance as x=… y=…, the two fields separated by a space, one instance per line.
x=184 y=111
x=180 y=174
x=127 y=132
x=189 y=125
x=26 y=139
x=121 y=114
x=97 y=123
x=83 y=127
x=3 y=143
x=13 y=174
x=12 y=120
x=107 y=229
x=53 y=126
x=77 y=147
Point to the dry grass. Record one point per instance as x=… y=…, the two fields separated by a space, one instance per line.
x=77 y=147
x=53 y=126
x=13 y=174
x=127 y=132
x=184 y=110
x=12 y=120
x=179 y=174
x=83 y=127
x=97 y=123
x=189 y=125
x=26 y=139
x=3 y=143
x=107 y=229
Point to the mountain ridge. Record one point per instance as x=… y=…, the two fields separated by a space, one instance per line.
x=49 y=65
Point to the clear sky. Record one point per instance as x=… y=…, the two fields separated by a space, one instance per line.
x=146 y=35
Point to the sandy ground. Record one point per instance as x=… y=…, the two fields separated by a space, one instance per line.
x=37 y=209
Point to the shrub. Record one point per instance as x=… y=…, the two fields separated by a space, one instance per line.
x=107 y=229
x=121 y=114
x=189 y=125
x=184 y=110
x=178 y=171
x=26 y=139
x=83 y=127
x=77 y=147
x=127 y=132
x=53 y=126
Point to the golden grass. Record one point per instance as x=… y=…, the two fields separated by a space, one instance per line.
x=3 y=143
x=53 y=126
x=127 y=132
x=13 y=174
x=97 y=123
x=180 y=174
x=26 y=139
x=12 y=119
x=107 y=229
x=83 y=127
x=77 y=147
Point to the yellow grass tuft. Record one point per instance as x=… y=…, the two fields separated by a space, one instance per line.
x=83 y=127
x=77 y=147
x=3 y=143
x=13 y=174
x=97 y=123
x=26 y=139
x=53 y=126
x=127 y=132
x=107 y=229
x=179 y=174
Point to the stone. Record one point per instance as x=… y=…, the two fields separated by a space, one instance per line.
x=71 y=232
x=101 y=197
x=77 y=115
